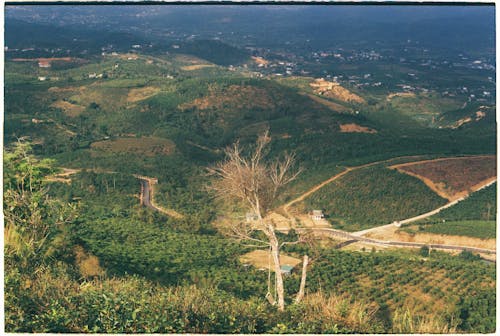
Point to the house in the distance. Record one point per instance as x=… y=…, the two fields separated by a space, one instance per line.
x=251 y=217
x=286 y=269
x=317 y=215
x=44 y=64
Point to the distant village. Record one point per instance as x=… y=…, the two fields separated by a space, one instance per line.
x=281 y=63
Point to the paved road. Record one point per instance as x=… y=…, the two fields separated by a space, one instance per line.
x=148 y=199
x=346 y=235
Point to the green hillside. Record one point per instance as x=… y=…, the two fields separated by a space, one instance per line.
x=373 y=196
x=115 y=266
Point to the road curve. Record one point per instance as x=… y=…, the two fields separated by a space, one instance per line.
x=148 y=197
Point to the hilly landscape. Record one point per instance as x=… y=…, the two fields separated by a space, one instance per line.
x=236 y=169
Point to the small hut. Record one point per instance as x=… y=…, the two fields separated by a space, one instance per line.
x=317 y=215
x=286 y=269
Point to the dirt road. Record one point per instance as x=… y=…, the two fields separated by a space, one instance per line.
x=358 y=236
x=485 y=184
x=335 y=177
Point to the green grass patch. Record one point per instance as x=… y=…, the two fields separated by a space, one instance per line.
x=471 y=228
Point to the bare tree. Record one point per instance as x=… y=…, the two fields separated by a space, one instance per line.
x=257 y=184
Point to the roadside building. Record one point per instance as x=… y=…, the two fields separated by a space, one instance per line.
x=286 y=269
x=317 y=215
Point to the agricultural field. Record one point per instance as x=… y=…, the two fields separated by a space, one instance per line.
x=473 y=217
x=96 y=96
x=391 y=281
x=455 y=177
x=371 y=197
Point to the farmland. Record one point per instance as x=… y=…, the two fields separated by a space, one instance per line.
x=474 y=217
x=452 y=178
x=373 y=196
x=385 y=119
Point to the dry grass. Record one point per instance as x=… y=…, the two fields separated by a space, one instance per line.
x=261 y=259
x=453 y=178
x=57 y=89
x=135 y=95
x=355 y=128
x=356 y=315
x=189 y=59
x=405 y=322
x=401 y=94
x=69 y=109
x=148 y=146
x=87 y=263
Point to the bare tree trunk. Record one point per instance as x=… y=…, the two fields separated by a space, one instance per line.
x=273 y=240
x=300 y=295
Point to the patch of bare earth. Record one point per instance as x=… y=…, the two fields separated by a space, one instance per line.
x=260 y=60
x=235 y=96
x=196 y=67
x=401 y=94
x=148 y=146
x=281 y=222
x=135 y=95
x=261 y=259
x=335 y=90
x=394 y=234
x=69 y=109
x=453 y=178
x=355 y=128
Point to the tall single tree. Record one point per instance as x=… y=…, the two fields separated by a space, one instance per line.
x=257 y=183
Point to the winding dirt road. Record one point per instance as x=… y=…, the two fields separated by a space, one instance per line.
x=335 y=177
x=358 y=236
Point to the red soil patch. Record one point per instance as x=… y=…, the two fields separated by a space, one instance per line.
x=453 y=178
x=335 y=90
x=355 y=128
